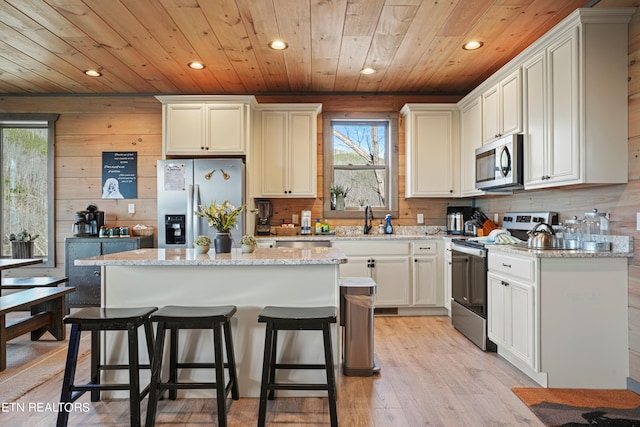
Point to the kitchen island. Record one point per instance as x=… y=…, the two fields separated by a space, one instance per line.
x=285 y=277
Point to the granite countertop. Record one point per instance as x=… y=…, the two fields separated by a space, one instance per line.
x=356 y=233
x=562 y=253
x=186 y=257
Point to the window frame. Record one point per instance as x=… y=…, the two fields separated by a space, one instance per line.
x=17 y=120
x=392 y=163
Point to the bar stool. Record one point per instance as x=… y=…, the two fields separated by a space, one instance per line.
x=293 y=319
x=175 y=318
x=97 y=319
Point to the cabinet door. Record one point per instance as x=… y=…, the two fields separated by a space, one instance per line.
x=490 y=120
x=86 y=279
x=446 y=268
x=497 y=310
x=356 y=267
x=274 y=153
x=112 y=247
x=225 y=128
x=426 y=280
x=184 y=129
x=521 y=312
x=470 y=139
x=564 y=151
x=392 y=277
x=535 y=126
x=511 y=104
x=302 y=157
x=431 y=155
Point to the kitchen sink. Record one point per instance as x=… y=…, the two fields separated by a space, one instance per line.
x=303 y=244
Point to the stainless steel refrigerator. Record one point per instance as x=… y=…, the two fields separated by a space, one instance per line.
x=183 y=185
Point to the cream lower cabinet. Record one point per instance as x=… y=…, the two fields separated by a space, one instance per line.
x=447 y=261
x=386 y=262
x=287 y=151
x=511 y=316
x=562 y=321
x=427 y=289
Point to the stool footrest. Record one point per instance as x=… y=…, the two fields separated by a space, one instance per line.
x=299 y=366
x=117 y=367
x=187 y=365
x=297 y=386
x=186 y=386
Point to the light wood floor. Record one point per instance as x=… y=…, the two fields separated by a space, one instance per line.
x=430 y=376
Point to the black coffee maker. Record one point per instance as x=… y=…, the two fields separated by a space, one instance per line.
x=265 y=211
x=88 y=222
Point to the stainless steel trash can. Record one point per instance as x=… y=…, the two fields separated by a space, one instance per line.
x=356 y=315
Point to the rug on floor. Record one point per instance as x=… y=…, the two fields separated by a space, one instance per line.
x=566 y=407
x=31 y=363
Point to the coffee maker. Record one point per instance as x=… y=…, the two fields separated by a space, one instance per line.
x=88 y=222
x=265 y=211
x=457 y=216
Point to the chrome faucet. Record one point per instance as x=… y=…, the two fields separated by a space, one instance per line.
x=368 y=219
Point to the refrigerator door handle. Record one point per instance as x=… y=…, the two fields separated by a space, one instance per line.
x=196 y=205
x=189 y=216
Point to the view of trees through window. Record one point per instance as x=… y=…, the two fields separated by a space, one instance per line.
x=360 y=162
x=24 y=185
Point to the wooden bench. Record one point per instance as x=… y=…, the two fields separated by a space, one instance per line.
x=47 y=306
x=31 y=282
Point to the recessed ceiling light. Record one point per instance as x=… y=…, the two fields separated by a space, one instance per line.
x=472 y=45
x=196 y=65
x=92 y=73
x=368 y=70
x=278 y=45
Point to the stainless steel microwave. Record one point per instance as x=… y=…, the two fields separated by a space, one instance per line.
x=499 y=164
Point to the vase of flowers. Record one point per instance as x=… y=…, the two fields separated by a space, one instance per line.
x=223 y=217
x=248 y=243
x=201 y=244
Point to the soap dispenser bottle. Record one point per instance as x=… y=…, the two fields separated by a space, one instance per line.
x=388 y=229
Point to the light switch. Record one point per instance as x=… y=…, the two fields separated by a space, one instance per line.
x=294 y=218
x=132 y=208
x=420 y=218
x=638 y=221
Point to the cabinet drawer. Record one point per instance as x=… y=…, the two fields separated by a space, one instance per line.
x=370 y=248
x=522 y=268
x=425 y=247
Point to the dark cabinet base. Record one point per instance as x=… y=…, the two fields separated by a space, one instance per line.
x=86 y=279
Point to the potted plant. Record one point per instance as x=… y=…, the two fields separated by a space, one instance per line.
x=248 y=243
x=22 y=244
x=202 y=244
x=340 y=192
x=223 y=217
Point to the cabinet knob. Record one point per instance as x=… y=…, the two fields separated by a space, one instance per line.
x=96 y=273
x=504 y=283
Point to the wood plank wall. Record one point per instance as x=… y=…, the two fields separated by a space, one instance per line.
x=89 y=125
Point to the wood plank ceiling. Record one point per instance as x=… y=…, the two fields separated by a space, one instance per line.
x=144 y=46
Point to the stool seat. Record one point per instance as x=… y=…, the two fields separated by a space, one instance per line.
x=95 y=320
x=175 y=318
x=300 y=315
x=98 y=315
x=293 y=319
x=179 y=313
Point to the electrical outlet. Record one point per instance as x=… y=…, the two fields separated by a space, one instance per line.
x=132 y=208
x=496 y=218
x=294 y=218
x=420 y=218
x=638 y=221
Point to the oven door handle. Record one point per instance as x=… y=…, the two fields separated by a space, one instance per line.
x=469 y=251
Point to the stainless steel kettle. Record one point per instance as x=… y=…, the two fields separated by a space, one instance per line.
x=542 y=238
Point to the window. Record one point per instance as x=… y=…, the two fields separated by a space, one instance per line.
x=26 y=156
x=360 y=157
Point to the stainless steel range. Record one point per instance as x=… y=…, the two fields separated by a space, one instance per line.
x=469 y=276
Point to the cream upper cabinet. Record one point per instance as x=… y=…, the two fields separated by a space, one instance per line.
x=470 y=139
x=206 y=125
x=502 y=108
x=288 y=150
x=575 y=91
x=432 y=141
